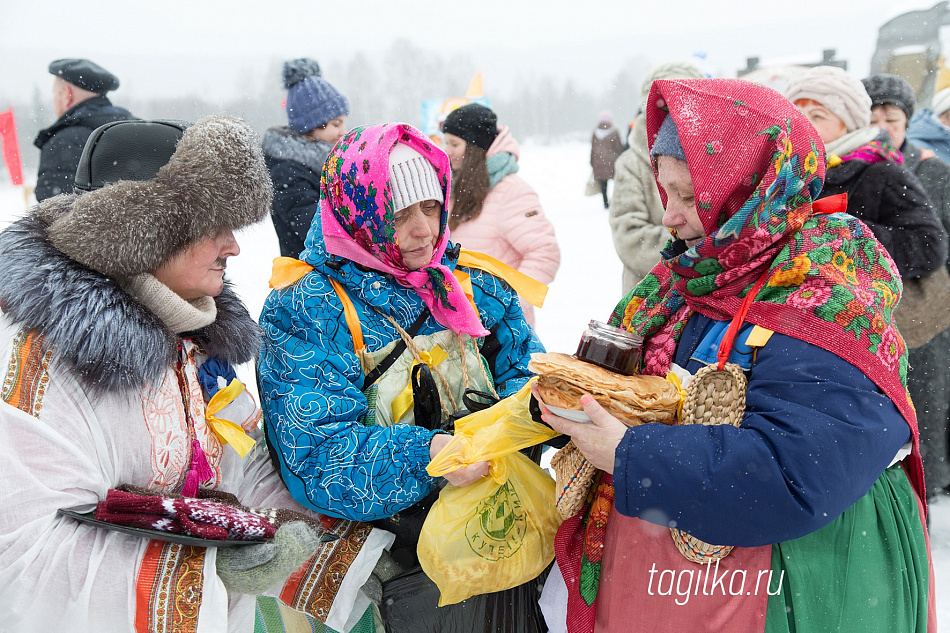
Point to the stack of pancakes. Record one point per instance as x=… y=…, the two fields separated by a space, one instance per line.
x=563 y=379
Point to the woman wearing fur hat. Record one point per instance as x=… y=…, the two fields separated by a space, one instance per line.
x=295 y=153
x=930 y=129
x=863 y=162
x=493 y=210
x=117 y=329
x=816 y=480
x=928 y=380
x=380 y=286
x=636 y=212
x=605 y=147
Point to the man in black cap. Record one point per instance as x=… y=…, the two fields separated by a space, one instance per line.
x=80 y=103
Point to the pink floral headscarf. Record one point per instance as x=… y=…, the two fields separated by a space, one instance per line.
x=356 y=210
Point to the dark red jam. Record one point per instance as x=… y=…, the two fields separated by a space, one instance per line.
x=611 y=348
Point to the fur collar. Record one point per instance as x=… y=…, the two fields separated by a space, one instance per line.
x=108 y=338
x=281 y=144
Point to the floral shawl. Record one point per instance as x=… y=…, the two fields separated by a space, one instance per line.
x=357 y=218
x=875 y=152
x=757 y=165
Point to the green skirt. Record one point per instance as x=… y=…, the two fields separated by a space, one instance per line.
x=879 y=581
x=272 y=616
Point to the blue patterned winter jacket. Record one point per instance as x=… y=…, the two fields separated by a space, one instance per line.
x=310 y=383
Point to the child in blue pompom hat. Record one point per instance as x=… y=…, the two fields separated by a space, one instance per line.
x=295 y=153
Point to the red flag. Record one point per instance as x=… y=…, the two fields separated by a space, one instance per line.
x=11 y=148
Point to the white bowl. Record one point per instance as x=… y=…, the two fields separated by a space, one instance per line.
x=571 y=414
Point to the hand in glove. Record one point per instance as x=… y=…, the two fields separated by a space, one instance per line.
x=252 y=569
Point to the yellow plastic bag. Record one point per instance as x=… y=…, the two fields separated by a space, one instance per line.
x=497 y=533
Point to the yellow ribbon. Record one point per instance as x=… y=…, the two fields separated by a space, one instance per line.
x=286 y=271
x=226 y=431
x=532 y=290
x=833 y=160
x=465 y=281
x=403 y=402
x=673 y=378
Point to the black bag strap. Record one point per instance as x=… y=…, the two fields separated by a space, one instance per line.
x=387 y=362
x=487 y=400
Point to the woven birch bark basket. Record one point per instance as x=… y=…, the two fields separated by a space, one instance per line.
x=713 y=397
x=573 y=476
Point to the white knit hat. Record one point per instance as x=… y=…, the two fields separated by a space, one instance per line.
x=835 y=89
x=412 y=178
x=941 y=101
x=668 y=70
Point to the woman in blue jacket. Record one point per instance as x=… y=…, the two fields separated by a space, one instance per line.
x=374 y=337
x=930 y=129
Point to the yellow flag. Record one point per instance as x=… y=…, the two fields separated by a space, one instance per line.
x=475 y=88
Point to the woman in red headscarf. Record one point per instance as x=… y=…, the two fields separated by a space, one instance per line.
x=820 y=487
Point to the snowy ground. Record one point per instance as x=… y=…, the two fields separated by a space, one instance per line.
x=587 y=287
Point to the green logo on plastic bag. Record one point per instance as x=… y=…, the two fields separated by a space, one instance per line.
x=497 y=528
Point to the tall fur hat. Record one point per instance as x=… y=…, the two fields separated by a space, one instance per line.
x=216 y=180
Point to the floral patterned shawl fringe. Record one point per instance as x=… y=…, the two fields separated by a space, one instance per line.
x=875 y=152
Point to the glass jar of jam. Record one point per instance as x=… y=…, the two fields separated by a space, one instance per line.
x=610 y=347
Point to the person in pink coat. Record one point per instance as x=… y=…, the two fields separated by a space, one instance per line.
x=494 y=211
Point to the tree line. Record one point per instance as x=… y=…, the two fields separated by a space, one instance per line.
x=386 y=87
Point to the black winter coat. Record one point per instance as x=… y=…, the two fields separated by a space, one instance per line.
x=934 y=175
x=295 y=165
x=61 y=144
x=892 y=202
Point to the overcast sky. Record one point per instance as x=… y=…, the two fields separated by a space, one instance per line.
x=179 y=48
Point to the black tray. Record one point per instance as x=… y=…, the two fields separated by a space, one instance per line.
x=87 y=517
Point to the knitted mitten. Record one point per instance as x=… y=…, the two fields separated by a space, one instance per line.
x=203 y=518
x=386 y=568
x=252 y=569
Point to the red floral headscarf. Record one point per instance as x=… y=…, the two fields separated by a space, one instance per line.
x=757 y=165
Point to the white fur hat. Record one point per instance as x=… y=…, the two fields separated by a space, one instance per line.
x=941 y=101
x=835 y=89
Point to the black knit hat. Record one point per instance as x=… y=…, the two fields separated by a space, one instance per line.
x=890 y=89
x=473 y=123
x=668 y=142
x=85 y=74
x=126 y=150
